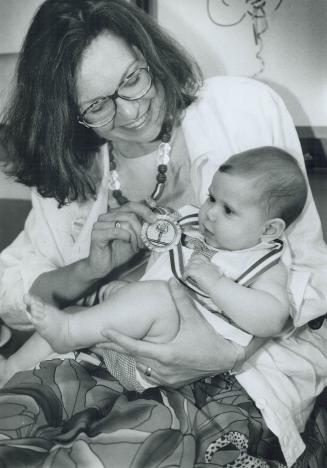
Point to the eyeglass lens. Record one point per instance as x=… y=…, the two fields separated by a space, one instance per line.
x=134 y=87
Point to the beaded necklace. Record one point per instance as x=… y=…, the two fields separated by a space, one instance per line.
x=164 y=233
x=163 y=155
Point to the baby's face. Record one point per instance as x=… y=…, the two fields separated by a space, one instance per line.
x=231 y=218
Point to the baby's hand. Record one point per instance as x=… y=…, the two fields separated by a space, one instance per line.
x=203 y=272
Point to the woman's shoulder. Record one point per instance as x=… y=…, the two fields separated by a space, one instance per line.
x=236 y=98
x=234 y=84
x=236 y=91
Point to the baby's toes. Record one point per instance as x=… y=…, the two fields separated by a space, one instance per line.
x=36 y=307
x=37 y=304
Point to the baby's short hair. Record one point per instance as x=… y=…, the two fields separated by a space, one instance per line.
x=277 y=177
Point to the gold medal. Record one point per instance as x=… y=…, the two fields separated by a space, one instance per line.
x=163 y=234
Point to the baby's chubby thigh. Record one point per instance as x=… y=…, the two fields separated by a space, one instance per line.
x=159 y=304
x=149 y=309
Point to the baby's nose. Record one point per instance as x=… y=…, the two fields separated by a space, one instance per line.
x=212 y=213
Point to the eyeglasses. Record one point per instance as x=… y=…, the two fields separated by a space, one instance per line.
x=103 y=111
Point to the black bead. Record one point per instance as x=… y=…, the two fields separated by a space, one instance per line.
x=162 y=168
x=122 y=200
x=161 y=178
x=117 y=194
x=165 y=137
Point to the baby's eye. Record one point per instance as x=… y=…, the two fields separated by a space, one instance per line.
x=211 y=198
x=227 y=210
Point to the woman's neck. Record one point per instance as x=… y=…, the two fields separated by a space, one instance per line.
x=130 y=150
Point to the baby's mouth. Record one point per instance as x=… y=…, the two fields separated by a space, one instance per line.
x=204 y=230
x=208 y=236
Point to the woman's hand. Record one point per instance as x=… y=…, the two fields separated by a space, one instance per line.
x=196 y=351
x=116 y=237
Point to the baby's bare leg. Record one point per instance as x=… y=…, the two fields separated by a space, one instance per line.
x=140 y=310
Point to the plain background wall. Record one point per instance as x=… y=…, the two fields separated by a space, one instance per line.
x=294 y=47
x=294 y=50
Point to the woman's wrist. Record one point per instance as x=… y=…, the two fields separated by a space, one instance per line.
x=64 y=285
x=88 y=272
x=80 y=277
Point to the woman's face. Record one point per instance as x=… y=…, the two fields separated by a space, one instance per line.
x=105 y=64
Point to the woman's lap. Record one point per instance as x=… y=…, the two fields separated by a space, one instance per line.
x=71 y=413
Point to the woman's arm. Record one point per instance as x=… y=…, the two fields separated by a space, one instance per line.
x=112 y=245
x=197 y=351
x=64 y=286
x=38 y=260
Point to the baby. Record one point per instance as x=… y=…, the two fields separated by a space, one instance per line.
x=238 y=279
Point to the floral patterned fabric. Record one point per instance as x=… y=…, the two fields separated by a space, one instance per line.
x=71 y=413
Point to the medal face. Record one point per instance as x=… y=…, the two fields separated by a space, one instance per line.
x=162 y=235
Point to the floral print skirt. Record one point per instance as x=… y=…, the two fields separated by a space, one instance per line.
x=69 y=412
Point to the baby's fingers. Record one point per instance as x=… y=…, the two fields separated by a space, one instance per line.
x=191 y=272
x=200 y=259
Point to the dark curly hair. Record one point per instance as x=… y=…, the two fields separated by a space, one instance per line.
x=48 y=148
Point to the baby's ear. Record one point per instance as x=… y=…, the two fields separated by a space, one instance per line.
x=272 y=229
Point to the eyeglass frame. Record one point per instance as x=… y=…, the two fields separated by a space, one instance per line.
x=113 y=97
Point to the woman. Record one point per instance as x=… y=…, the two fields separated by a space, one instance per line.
x=101 y=90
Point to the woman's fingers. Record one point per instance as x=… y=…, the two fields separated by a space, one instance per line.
x=110 y=345
x=122 y=343
x=123 y=220
x=109 y=233
x=105 y=231
x=117 y=219
x=153 y=378
x=120 y=226
x=129 y=217
x=143 y=364
x=116 y=237
x=139 y=209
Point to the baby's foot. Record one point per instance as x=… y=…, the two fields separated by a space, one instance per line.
x=51 y=323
